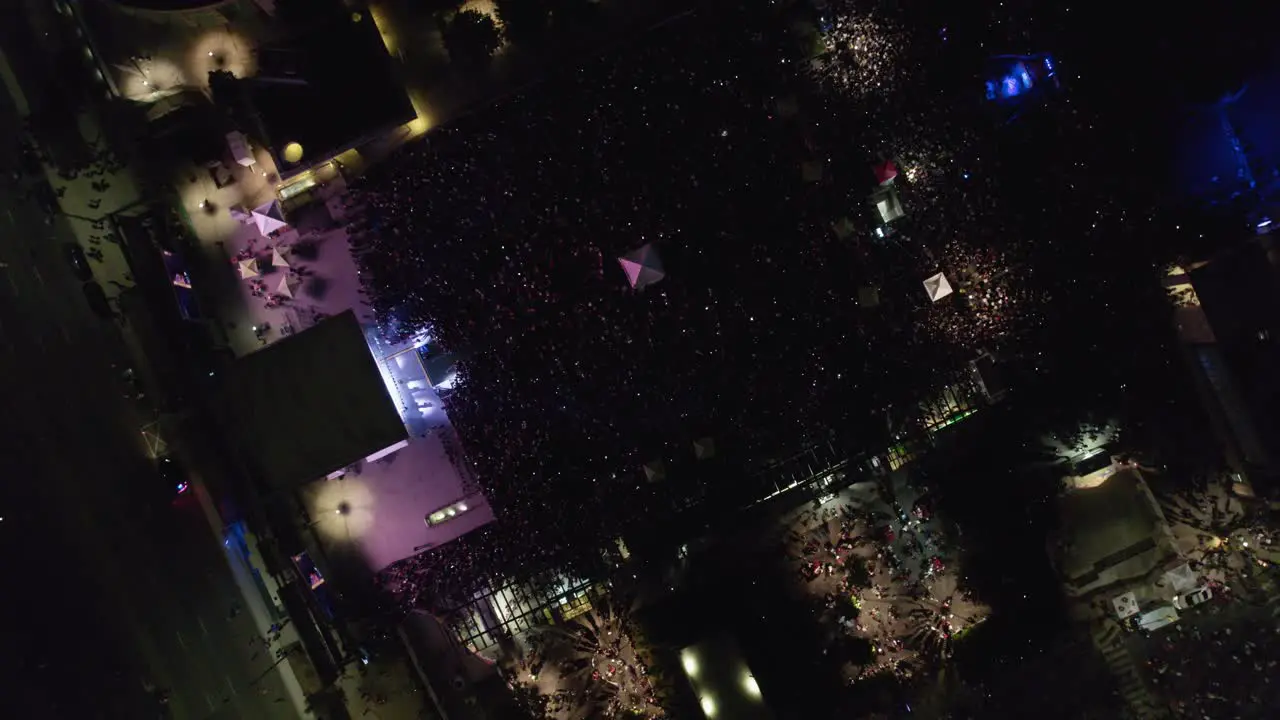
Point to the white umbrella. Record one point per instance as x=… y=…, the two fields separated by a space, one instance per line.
x=269 y=217
x=937 y=286
x=248 y=268
x=277 y=260
x=286 y=285
x=655 y=471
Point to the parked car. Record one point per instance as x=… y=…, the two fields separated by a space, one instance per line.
x=78 y=262
x=1198 y=596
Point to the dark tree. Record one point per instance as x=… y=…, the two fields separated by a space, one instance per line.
x=471 y=38
x=524 y=20
x=527 y=704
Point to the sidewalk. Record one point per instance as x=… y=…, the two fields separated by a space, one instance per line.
x=262 y=616
x=87 y=199
x=382 y=690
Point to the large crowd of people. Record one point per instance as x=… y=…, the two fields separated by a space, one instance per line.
x=499 y=236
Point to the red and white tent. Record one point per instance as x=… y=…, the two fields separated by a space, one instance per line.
x=885 y=172
x=642 y=266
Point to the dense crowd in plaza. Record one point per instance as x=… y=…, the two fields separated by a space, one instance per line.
x=1222 y=672
x=500 y=235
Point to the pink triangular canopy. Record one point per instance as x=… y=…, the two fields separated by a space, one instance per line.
x=886 y=172
x=642 y=266
x=632 y=269
x=269 y=217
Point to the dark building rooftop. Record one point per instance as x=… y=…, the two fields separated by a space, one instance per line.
x=327 y=89
x=310 y=404
x=1240 y=294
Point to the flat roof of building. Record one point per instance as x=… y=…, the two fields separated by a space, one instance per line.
x=1113 y=531
x=325 y=90
x=310 y=404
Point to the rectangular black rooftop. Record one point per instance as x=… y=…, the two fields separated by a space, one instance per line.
x=327 y=89
x=310 y=404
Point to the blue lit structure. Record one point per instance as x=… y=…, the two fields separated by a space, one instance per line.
x=1013 y=81
x=1228 y=153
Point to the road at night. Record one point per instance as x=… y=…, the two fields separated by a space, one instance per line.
x=110 y=585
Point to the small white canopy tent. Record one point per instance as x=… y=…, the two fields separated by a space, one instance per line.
x=655 y=471
x=239 y=146
x=887 y=204
x=269 y=217
x=938 y=287
x=1126 y=605
x=277 y=260
x=812 y=171
x=286 y=285
x=704 y=448
x=642 y=266
x=843 y=227
x=248 y=268
x=1182 y=578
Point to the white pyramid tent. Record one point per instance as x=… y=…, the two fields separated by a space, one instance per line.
x=655 y=471
x=1182 y=578
x=843 y=227
x=704 y=448
x=248 y=268
x=811 y=171
x=277 y=260
x=1125 y=605
x=269 y=217
x=286 y=285
x=642 y=266
x=887 y=203
x=938 y=287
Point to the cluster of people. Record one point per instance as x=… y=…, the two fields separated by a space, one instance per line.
x=1217 y=673
x=877 y=566
x=498 y=237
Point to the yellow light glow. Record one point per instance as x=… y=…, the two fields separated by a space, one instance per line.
x=708 y=706
x=293 y=152
x=346 y=509
x=220 y=49
x=383 y=24
x=690 y=663
x=750 y=685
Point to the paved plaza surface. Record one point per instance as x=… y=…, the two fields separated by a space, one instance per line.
x=385 y=504
x=911 y=603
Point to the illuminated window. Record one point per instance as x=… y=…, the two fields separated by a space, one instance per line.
x=447 y=513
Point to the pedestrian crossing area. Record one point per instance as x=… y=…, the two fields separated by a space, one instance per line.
x=1109 y=639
